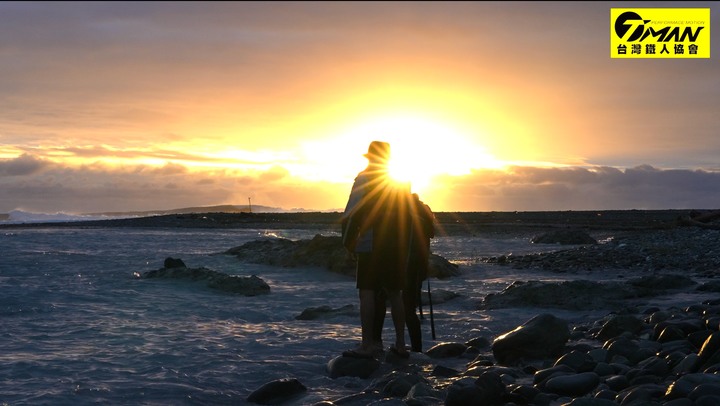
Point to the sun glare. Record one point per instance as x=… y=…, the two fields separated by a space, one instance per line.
x=422 y=148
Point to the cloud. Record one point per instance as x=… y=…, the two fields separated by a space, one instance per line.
x=23 y=165
x=170 y=169
x=541 y=189
x=101 y=188
x=274 y=174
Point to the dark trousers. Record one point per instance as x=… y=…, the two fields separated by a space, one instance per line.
x=411 y=297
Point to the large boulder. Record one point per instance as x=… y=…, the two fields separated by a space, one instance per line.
x=543 y=336
x=351 y=366
x=277 y=392
x=441 y=268
x=486 y=390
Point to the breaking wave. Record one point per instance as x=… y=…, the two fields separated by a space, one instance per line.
x=22 y=217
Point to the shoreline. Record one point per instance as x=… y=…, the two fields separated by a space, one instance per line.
x=449 y=223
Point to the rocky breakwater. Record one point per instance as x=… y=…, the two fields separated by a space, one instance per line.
x=648 y=357
x=321 y=251
x=635 y=355
x=175 y=268
x=688 y=249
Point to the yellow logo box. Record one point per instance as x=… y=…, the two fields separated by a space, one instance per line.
x=660 y=33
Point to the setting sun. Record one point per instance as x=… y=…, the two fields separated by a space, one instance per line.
x=422 y=148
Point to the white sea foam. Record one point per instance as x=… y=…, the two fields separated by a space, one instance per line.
x=27 y=217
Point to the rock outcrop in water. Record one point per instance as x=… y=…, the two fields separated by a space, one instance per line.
x=175 y=268
x=277 y=392
x=326 y=312
x=321 y=251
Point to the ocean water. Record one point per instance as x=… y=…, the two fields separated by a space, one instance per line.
x=78 y=328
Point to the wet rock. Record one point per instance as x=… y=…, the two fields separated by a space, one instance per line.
x=423 y=393
x=326 y=312
x=623 y=347
x=541 y=337
x=686 y=365
x=578 y=361
x=441 y=268
x=174 y=263
x=573 y=384
x=682 y=387
x=437 y=296
x=617 y=382
x=679 y=402
x=575 y=295
x=618 y=324
x=488 y=389
x=387 y=402
x=599 y=354
x=671 y=333
x=350 y=366
x=277 y=392
x=244 y=285
x=522 y=394
x=478 y=342
x=686 y=325
x=709 y=400
x=641 y=394
x=591 y=402
x=543 y=375
x=653 y=366
x=603 y=369
x=710 y=352
x=398 y=384
x=444 y=372
x=446 y=350
x=703 y=390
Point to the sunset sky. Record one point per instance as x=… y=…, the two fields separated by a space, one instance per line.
x=502 y=106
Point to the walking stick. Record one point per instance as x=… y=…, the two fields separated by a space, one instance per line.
x=407 y=265
x=419 y=300
x=432 y=319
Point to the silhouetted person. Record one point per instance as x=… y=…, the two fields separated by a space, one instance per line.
x=375 y=230
x=422 y=229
